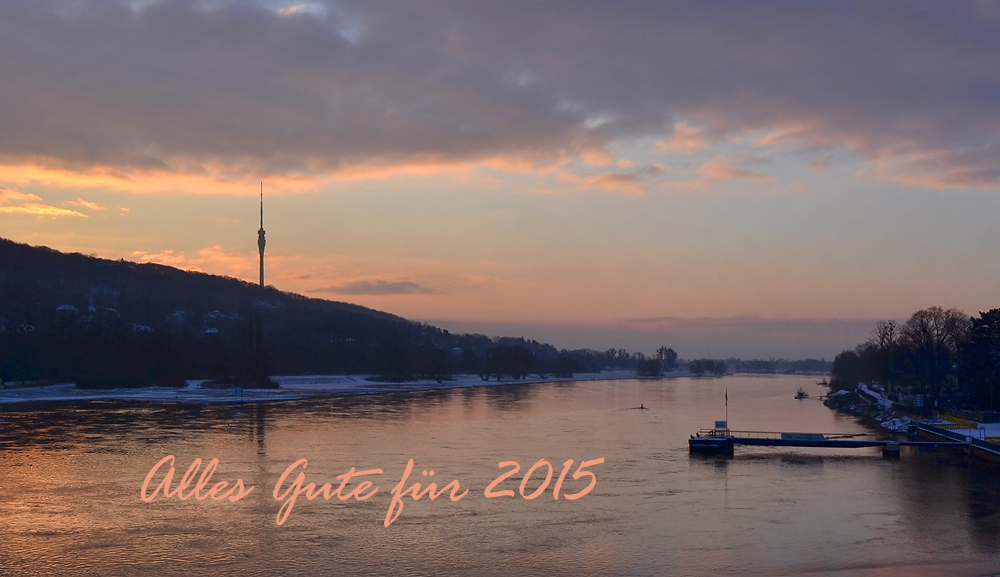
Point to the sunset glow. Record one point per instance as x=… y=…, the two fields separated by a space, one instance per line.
x=719 y=181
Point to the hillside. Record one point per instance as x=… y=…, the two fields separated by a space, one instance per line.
x=39 y=277
x=98 y=322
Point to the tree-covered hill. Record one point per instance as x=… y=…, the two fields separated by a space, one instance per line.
x=99 y=322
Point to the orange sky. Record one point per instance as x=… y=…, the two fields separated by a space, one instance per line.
x=610 y=182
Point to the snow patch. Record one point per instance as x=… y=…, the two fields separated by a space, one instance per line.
x=878 y=397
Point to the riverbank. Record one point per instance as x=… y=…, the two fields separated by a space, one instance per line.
x=871 y=406
x=289 y=388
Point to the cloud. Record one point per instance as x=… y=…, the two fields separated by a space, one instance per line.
x=217 y=91
x=633 y=182
x=686 y=139
x=624 y=182
x=752 y=335
x=14 y=202
x=166 y=256
x=213 y=259
x=80 y=203
x=721 y=171
x=745 y=337
x=966 y=168
x=374 y=287
x=819 y=164
x=8 y=196
x=728 y=322
x=299 y=9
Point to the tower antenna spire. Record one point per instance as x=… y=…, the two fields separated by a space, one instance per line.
x=260 y=235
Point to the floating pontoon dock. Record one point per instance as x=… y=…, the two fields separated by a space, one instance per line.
x=722 y=441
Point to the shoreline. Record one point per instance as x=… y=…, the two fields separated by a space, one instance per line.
x=870 y=407
x=290 y=388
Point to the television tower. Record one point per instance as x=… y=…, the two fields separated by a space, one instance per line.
x=260 y=235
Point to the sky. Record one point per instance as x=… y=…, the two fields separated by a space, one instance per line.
x=751 y=179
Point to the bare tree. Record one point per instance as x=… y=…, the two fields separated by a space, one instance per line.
x=667 y=358
x=884 y=338
x=934 y=335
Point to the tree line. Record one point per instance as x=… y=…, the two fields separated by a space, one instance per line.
x=949 y=359
x=102 y=323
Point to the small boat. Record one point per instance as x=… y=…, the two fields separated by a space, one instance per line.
x=801 y=394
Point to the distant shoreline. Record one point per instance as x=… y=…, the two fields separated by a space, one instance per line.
x=290 y=388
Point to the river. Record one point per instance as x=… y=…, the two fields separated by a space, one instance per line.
x=70 y=482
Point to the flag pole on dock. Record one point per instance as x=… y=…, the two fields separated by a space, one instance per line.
x=727 y=408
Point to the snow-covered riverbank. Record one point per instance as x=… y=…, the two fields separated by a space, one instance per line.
x=289 y=388
x=869 y=403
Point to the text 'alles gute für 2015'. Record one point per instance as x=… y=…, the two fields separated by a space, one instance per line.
x=360 y=485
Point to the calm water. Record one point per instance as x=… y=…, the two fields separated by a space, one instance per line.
x=70 y=478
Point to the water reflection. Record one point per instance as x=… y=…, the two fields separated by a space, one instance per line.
x=509 y=397
x=74 y=474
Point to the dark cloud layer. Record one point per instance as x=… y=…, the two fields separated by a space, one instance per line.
x=243 y=87
x=374 y=287
x=745 y=337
